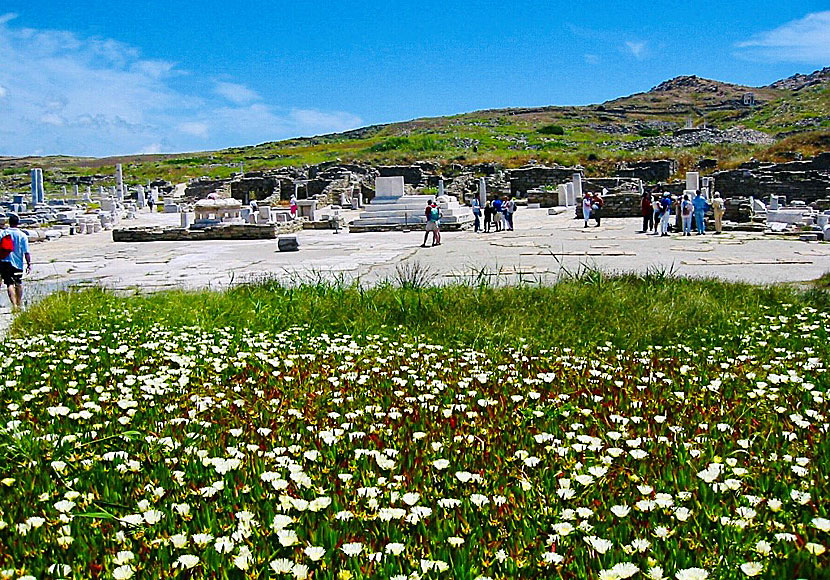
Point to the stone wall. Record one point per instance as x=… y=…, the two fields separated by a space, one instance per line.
x=527 y=178
x=202 y=187
x=412 y=174
x=225 y=232
x=807 y=180
x=616 y=205
x=648 y=171
x=254 y=185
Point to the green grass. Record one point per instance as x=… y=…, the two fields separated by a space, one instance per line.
x=584 y=309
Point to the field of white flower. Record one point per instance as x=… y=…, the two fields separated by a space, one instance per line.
x=153 y=452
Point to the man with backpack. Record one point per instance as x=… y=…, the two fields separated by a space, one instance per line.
x=14 y=248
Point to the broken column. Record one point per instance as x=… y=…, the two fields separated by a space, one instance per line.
x=119 y=182
x=482 y=191
x=35 y=191
x=577 y=191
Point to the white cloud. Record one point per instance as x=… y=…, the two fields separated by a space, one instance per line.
x=67 y=94
x=591 y=59
x=195 y=128
x=805 y=40
x=324 y=121
x=638 y=49
x=236 y=93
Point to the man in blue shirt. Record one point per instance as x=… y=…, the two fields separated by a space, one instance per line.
x=701 y=205
x=11 y=267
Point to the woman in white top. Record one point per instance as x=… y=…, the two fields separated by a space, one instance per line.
x=586 y=208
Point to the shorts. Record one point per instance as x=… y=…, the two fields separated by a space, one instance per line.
x=432 y=226
x=10 y=274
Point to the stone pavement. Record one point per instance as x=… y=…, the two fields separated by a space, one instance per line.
x=542 y=248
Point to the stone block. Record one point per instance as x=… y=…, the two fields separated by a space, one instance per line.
x=288 y=244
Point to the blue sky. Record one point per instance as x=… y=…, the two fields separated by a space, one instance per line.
x=104 y=78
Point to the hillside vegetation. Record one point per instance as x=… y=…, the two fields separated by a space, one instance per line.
x=790 y=116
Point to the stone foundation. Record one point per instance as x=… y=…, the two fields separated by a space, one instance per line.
x=225 y=232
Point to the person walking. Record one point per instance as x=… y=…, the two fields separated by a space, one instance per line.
x=647 y=211
x=718 y=208
x=488 y=216
x=686 y=209
x=665 y=214
x=14 y=249
x=701 y=205
x=292 y=205
x=476 y=205
x=586 y=208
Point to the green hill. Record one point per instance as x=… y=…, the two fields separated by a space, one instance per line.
x=776 y=122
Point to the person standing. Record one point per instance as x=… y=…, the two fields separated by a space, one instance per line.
x=498 y=216
x=647 y=211
x=488 y=216
x=718 y=210
x=665 y=214
x=686 y=209
x=596 y=208
x=509 y=210
x=476 y=205
x=656 y=211
x=11 y=263
x=433 y=215
x=701 y=205
x=586 y=208
x=292 y=205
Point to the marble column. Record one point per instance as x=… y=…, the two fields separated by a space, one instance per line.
x=482 y=191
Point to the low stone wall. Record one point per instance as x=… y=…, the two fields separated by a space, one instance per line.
x=616 y=205
x=648 y=171
x=227 y=232
x=527 y=178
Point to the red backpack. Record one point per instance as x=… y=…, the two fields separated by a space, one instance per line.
x=6 y=246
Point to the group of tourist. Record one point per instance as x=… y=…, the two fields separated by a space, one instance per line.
x=592 y=208
x=658 y=209
x=498 y=214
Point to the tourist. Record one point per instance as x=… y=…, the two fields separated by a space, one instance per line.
x=647 y=211
x=433 y=215
x=488 y=216
x=686 y=209
x=476 y=205
x=596 y=207
x=151 y=202
x=718 y=210
x=656 y=210
x=292 y=205
x=665 y=214
x=498 y=216
x=509 y=210
x=11 y=264
x=586 y=208
x=701 y=205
